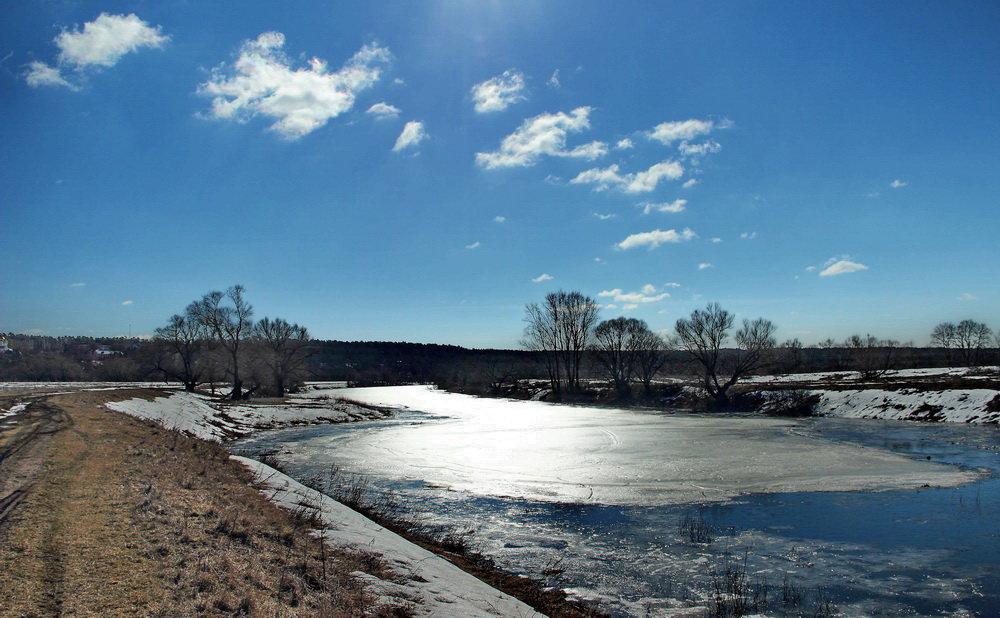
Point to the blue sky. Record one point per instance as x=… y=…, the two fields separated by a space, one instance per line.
x=845 y=156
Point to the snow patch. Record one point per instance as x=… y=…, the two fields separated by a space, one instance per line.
x=980 y=405
x=436 y=586
x=203 y=417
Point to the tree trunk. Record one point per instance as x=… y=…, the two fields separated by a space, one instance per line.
x=237 y=392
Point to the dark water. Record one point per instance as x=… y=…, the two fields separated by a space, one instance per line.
x=901 y=553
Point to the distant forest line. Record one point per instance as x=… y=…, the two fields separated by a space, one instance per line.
x=77 y=358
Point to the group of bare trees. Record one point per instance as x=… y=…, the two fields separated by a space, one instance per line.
x=967 y=340
x=216 y=339
x=565 y=326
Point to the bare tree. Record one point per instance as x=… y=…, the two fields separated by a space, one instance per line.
x=499 y=374
x=872 y=357
x=650 y=357
x=792 y=354
x=968 y=339
x=285 y=350
x=971 y=338
x=616 y=343
x=183 y=340
x=943 y=335
x=703 y=337
x=229 y=318
x=560 y=330
x=541 y=336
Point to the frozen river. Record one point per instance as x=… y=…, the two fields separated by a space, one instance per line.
x=869 y=514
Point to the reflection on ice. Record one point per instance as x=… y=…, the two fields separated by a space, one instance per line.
x=924 y=552
x=541 y=451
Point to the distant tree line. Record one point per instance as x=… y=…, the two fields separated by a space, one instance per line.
x=565 y=326
x=566 y=335
x=216 y=342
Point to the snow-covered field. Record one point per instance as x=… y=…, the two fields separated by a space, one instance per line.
x=8 y=387
x=841 y=394
x=556 y=453
x=976 y=373
x=204 y=417
x=434 y=585
x=952 y=405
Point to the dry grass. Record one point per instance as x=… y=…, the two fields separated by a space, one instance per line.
x=128 y=518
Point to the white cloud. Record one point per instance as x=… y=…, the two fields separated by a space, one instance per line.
x=841 y=267
x=639 y=182
x=98 y=44
x=473 y=245
x=411 y=136
x=543 y=277
x=554 y=80
x=705 y=265
x=656 y=238
x=499 y=219
x=873 y=194
x=748 y=235
x=646 y=295
x=898 y=184
x=597 y=259
x=966 y=296
x=127 y=303
x=698 y=150
x=671 y=285
x=262 y=81
x=41 y=74
x=674 y=206
x=498 y=93
x=629 y=307
x=643 y=182
x=544 y=134
x=690 y=182
x=77 y=285
x=669 y=132
x=383 y=110
x=716 y=239
x=605 y=217
x=105 y=40
x=624 y=144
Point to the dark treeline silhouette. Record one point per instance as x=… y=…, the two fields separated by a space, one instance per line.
x=216 y=342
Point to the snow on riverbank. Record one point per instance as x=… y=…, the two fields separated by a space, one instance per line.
x=929 y=395
x=843 y=377
x=435 y=586
x=204 y=417
x=953 y=405
x=8 y=387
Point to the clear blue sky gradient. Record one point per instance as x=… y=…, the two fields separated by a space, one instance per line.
x=126 y=185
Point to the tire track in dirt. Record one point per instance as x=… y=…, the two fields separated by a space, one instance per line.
x=22 y=448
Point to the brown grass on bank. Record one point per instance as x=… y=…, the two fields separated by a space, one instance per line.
x=128 y=518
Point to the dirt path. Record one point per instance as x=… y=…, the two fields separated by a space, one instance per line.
x=22 y=448
x=65 y=549
x=105 y=515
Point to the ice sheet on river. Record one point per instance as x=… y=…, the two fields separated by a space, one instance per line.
x=542 y=451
